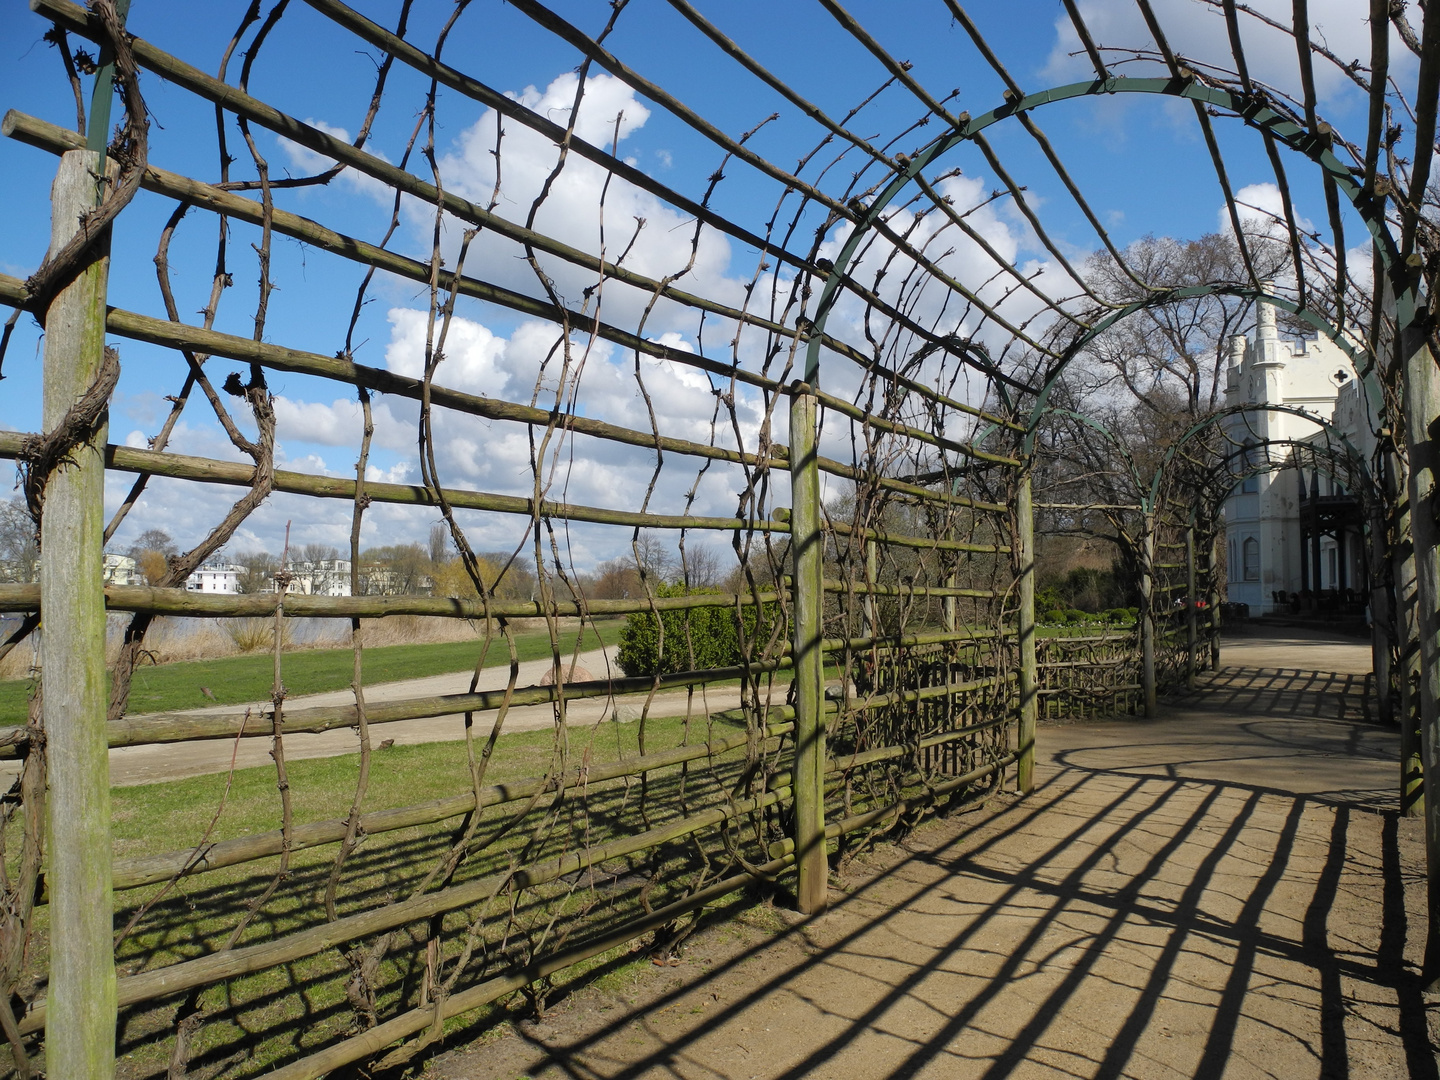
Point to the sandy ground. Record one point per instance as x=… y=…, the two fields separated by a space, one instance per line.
x=1225 y=891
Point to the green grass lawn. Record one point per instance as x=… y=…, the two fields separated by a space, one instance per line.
x=238 y=680
x=266 y=1017
x=152 y=818
x=259 y=1020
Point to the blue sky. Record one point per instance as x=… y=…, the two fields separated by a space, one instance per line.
x=1140 y=161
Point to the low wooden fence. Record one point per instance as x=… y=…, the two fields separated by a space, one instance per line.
x=884 y=657
x=1100 y=675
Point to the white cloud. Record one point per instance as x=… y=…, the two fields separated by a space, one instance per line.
x=1261 y=209
x=336 y=424
x=962 y=258
x=395 y=474
x=1198 y=32
x=588 y=208
x=471 y=352
x=307 y=162
x=528 y=360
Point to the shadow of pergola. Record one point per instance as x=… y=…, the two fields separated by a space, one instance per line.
x=1282 y=691
x=1113 y=924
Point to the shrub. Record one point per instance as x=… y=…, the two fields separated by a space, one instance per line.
x=1054 y=615
x=1119 y=615
x=694 y=637
x=1076 y=616
x=253 y=635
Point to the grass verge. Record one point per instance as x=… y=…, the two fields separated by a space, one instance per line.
x=277 y=1014
x=236 y=680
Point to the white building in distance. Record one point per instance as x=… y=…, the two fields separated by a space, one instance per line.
x=326 y=577
x=119 y=570
x=216 y=578
x=1293 y=537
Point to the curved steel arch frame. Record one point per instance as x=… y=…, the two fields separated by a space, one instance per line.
x=1384 y=632
x=1148 y=496
x=1422 y=395
x=1253 y=113
x=1216 y=418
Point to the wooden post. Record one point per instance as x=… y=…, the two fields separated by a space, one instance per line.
x=1407 y=628
x=949 y=608
x=1191 y=611
x=872 y=575
x=1422 y=414
x=1382 y=616
x=1214 y=629
x=1029 y=672
x=1147 y=616
x=81 y=996
x=812 y=893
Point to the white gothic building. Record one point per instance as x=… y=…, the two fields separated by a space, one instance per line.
x=1292 y=535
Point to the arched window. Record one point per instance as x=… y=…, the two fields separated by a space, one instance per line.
x=1251 y=552
x=1251 y=483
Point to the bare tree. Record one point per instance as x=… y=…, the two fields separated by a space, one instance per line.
x=439 y=544
x=395 y=570
x=315 y=553
x=701 y=567
x=1175 y=347
x=517 y=575
x=615 y=579
x=655 y=557
x=153 y=540
x=258 y=570
x=152 y=551
x=19 y=546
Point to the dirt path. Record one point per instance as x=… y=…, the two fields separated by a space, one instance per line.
x=149 y=764
x=1224 y=892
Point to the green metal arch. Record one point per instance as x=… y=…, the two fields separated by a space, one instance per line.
x=1095 y=425
x=1239 y=410
x=1150 y=497
x=1364 y=370
x=1271 y=465
x=1254 y=113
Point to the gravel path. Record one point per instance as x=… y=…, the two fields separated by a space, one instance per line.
x=1225 y=891
x=169 y=761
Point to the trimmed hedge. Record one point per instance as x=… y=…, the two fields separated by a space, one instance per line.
x=694 y=638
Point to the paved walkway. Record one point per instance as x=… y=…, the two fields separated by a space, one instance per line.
x=1225 y=891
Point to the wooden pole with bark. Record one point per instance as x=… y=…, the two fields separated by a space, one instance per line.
x=81 y=992
x=1029 y=672
x=1147 y=615
x=812 y=892
x=1422 y=418
x=1191 y=610
x=1407 y=668
x=1214 y=627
